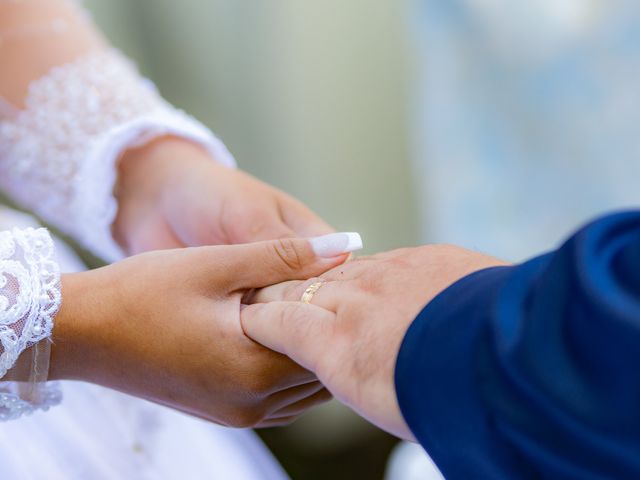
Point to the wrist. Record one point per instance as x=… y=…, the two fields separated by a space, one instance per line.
x=70 y=340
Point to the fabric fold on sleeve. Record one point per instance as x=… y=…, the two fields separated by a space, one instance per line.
x=531 y=371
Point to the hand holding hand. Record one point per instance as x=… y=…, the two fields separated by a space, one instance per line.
x=351 y=332
x=173 y=194
x=165 y=326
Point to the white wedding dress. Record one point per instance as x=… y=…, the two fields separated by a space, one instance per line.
x=99 y=434
x=58 y=155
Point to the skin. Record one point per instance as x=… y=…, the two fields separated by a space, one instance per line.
x=172 y=194
x=351 y=333
x=165 y=326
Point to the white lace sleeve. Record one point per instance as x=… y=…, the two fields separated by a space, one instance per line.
x=29 y=300
x=59 y=152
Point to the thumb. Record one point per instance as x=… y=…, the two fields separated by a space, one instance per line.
x=257 y=265
x=298 y=330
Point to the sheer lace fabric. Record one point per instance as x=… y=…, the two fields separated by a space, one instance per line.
x=59 y=154
x=29 y=299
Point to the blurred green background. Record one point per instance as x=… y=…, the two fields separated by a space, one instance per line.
x=310 y=97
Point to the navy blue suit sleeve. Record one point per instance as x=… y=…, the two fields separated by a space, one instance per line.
x=533 y=371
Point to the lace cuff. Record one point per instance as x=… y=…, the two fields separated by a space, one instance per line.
x=29 y=299
x=62 y=149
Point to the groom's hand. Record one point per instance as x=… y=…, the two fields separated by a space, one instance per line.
x=173 y=194
x=351 y=332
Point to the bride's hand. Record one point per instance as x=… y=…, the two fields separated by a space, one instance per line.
x=165 y=326
x=173 y=194
x=351 y=332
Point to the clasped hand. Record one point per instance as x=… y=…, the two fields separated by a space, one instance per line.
x=168 y=326
x=351 y=333
x=165 y=326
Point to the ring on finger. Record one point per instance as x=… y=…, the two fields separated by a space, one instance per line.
x=311 y=290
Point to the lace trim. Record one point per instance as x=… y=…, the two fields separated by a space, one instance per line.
x=14 y=404
x=30 y=297
x=61 y=151
x=29 y=292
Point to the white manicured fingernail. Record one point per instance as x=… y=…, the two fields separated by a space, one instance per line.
x=336 y=244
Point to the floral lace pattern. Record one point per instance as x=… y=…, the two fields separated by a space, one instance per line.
x=29 y=299
x=29 y=292
x=59 y=154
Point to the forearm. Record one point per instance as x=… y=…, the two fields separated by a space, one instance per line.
x=37 y=36
x=75 y=325
x=75 y=107
x=530 y=369
x=95 y=329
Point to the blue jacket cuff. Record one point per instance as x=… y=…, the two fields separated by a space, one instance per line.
x=438 y=392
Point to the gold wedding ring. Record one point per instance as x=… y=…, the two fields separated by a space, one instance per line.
x=311 y=290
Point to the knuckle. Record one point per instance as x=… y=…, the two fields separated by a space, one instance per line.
x=400 y=262
x=246 y=418
x=347 y=333
x=287 y=250
x=259 y=383
x=370 y=284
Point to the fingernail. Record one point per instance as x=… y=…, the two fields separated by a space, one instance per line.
x=336 y=244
